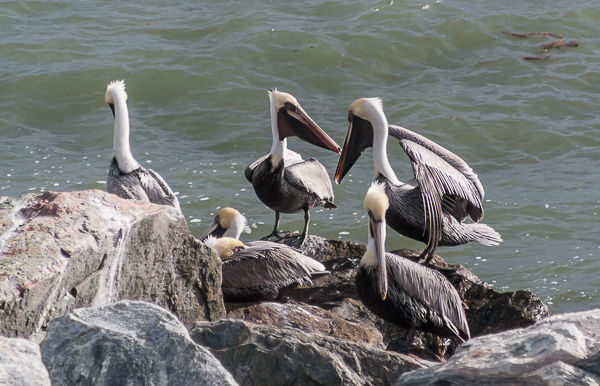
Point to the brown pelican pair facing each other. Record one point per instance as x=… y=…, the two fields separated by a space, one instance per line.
x=402 y=292
x=126 y=177
x=431 y=207
x=259 y=269
x=281 y=179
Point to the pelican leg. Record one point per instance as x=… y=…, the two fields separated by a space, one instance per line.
x=305 y=230
x=302 y=236
x=403 y=343
x=427 y=255
x=275 y=232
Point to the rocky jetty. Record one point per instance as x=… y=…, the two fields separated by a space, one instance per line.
x=67 y=261
x=60 y=251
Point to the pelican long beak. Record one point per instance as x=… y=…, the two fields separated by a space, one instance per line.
x=378 y=232
x=359 y=136
x=214 y=229
x=292 y=120
x=112 y=108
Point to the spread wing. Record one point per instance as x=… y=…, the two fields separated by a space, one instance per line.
x=432 y=289
x=312 y=176
x=447 y=182
x=264 y=263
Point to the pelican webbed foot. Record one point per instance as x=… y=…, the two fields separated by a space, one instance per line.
x=403 y=343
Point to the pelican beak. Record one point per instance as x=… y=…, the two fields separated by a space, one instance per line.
x=214 y=229
x=359 y=136
x=112 y=108
x=292 y=120
x=378 y=231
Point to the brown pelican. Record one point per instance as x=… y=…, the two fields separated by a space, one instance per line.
x=414 y=297
x=227 y=223
x=126 y=177
x=260 y=269
x=431 y=207
x=281 y=179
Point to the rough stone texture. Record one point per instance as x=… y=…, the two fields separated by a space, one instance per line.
x=489 y=311
x=303 y=317
x=21 y=363
x=560 y=350
x=59 y=251
x=127 y=343
x=260 y=355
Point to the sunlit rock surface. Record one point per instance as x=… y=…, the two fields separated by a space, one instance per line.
x=127 y=343
x=260 y=355
x=560 y=350
x=60 y=251
x=21 y=363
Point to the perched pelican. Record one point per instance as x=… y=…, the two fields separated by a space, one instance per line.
x=227 y=223
x=126 y=177
x=260 y=269
x=431 y=207
x=414 y=297
x=281 y=179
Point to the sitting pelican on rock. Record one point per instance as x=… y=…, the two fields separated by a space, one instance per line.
x=402 y=292
x=260 y=269
x=126 y=177
x=431 y=207
x=281 y=179
x=228 y=222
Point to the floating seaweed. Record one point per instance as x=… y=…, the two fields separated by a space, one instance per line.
x=558 y=44
x=538 y=57
x=530 y=34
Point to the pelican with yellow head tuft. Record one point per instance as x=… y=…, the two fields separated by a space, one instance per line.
x=403 y=292
x=260 y=269
x=228 y=222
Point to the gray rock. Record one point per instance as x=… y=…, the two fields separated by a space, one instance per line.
x=21 y=363
x=59 y=251
x=560 y=350
x=127 y=343
x=260 y=355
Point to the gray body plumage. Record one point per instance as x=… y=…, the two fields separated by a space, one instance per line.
x=262 y=268
x=292 y=186
x=444 y=192
x=418 y=297
x=140 y=184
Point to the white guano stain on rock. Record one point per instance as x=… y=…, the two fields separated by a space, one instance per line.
x=17 y=220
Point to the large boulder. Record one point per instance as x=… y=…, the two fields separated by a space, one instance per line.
x=21 y=363
x=261 y=355
x=59 y=251
x=127 y=343
x=560 y=350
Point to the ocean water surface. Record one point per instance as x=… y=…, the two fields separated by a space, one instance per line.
x=197 y=77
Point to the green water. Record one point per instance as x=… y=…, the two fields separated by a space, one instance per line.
x=198 y=75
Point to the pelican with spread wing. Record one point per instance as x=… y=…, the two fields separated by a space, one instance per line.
x=430 y=208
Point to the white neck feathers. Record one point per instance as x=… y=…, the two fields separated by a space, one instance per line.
x=374 y=111
x=121 y=144
x=279 y=148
